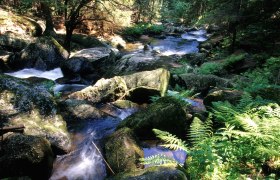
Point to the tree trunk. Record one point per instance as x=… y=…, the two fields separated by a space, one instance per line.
x=46 y=11
x=68 y=37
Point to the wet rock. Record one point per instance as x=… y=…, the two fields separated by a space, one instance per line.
x=166 y=114
x=152 y=173
x=200 y=83
x=122 y=151
x=35 y=108
x=89 y=65
x=137 y=87
x=135 y=63
x=44 y=54
x=23 y=155
x=79 y=110
x=232 y=96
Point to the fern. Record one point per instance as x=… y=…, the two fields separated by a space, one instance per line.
x=199 y=131
x=171 y=141
x=158 y=159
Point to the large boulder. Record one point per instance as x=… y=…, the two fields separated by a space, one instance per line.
x=200 y=83
x=167 y=114
x=17 y=31
x=35 y=108
x=23 y=155
x=88 y=65
x=137 y=87
x=152 y=173
x=44 y=54
x=122 y=151
x=136 y=62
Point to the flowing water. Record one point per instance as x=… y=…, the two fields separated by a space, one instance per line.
x=86 y=161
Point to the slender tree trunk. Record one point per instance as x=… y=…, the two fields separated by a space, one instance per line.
x=48 y=18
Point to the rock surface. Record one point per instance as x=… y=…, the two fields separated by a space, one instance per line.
x=122 y=151
x=200 y=83
x=166 y=114
x=233 y=96
x=78 y=110
x=44 y=54
x=23 y=155
x=35 y=108
x=17 y=31
x=137 y=87
x=88 y=65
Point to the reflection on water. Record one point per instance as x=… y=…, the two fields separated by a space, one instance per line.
x=26 y=73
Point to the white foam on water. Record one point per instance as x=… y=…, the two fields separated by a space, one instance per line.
x=26 y=73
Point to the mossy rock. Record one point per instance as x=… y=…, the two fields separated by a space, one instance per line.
x=44 y=54
x=124 y=104
x=17 y=31
x=35 y=108
x=137 y=87
x=78 y=110
x=200 y=83
x=232 y=96
x=122 y=151
x=166 y=114
x=23 y=155
x=152 y=173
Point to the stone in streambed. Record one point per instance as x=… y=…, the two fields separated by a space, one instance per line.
x=166 y=114
x=23 y=155
x=35 y=108
x=137 y=87
x=122 y=151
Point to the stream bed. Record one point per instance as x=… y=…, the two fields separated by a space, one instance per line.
x=86 y=160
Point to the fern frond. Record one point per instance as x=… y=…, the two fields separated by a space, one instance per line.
x=158 y=159
x=171 y=141
x=199 y=130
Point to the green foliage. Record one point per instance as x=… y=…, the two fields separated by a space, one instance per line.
x=218 y=68
x=143 y=28
x=237 y=150
x=210 y=68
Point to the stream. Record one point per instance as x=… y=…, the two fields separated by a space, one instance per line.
x=86 y=160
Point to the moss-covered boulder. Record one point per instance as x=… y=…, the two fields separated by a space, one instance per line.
x=124 y=104
x=167 y=114
x=137 y=87
x=23 y=155
x=232 y=96
x=122 y=151
x=35 y=108
x=78 y=110
x=152 y=173
x=44 y=54
x=200 y=83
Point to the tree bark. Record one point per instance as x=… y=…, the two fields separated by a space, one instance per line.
x=46 y=11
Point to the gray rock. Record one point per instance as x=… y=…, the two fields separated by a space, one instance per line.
x=35 y=108
x=200 y=83
x=23 y=155
x=137 y=87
